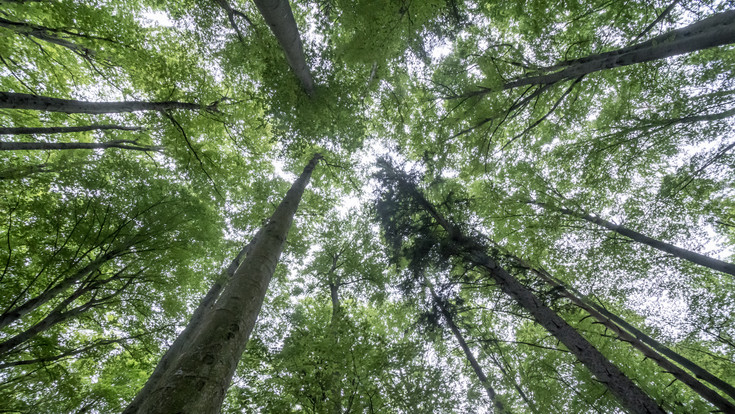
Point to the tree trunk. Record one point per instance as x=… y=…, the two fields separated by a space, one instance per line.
x=685 y=254
x=45 y=34
x=14 y=314
x=278 y=15
x=628 y=393
x=198 y=377
x=64 y=129
x=624 y=331
x=335 y=391
x=182 y=341
x=14 y=100
x=43 y=146
x=497 y=405
x=716 y=30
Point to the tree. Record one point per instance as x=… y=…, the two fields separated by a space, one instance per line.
x=223 y=331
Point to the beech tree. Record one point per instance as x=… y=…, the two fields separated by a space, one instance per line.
x=143 y=143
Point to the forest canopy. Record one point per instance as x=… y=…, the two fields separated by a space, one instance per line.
x=367 y=206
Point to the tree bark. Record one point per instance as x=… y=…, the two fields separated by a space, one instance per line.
x=626 y=391
x=198 y=377
x=64 y=129
x=497 y=405
x=627 y=333
x=43 y=146
x=278 y=16
x=45 y=34
x=12 y=315
x=716 y=30
x=182 y=341
x=713 y=31
x=13 y=100
x=685 y=254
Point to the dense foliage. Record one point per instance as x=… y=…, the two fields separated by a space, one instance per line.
x=105 y=253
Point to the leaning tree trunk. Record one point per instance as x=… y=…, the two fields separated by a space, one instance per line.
x=13 y=100
x=198 y=376
x=44 y=146
x=627 y=333
x=685 y=254
x=498 y=406
x=64 y=129
x=716 y=30
x=278 y=15
x=628 y=393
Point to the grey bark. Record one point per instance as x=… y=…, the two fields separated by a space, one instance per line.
x=198 y=377
x=646 y=345
x=278 y=16
x=716 y=30
x=43 y=146
x=685 y=254
x=184 y=339
x=489 y=390
x=45 y=34
x=713 y=31
x=64 y=129
x=14 y=314
x=628 y=393
x=13 y=100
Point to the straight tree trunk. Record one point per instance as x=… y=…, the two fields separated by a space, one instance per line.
x=13 y=100
x=184 y=339
x=628 y=393
x=44 y=146
x=685 y=254
x=198 y=376
x=497 y=405
x=64 y=129
x=278 y=16
x=335 y=391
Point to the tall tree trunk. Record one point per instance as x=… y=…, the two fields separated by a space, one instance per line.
x=13 y=100
x=17 y=312
x=716 y=30
x=628 y=393
x=64 y=129
x=685 y=254
x=335 y=391
x=713 y=31
x=626 y=333
x=44 y=146
x=278 y=15
x=45 y=34
x=198 y=377
x=497 y=405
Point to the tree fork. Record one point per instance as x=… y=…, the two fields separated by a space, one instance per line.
x=198 y=376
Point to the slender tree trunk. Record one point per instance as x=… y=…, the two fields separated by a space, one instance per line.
x=44 y=146
x=184 y=339
x=14 y=100
x=64 y=129
x=335 y=390
x=628 y=393
x=45 y=34
x=624 y=331
x=685 y=254
x=497 y=405
x=198 y=377
x=14 y=314
x=278 y=15
x=716 y=30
